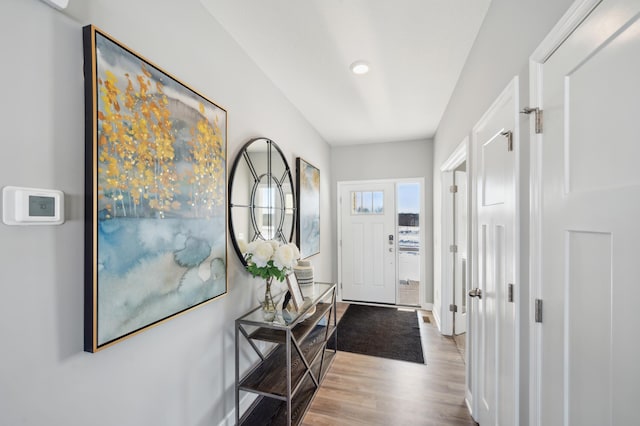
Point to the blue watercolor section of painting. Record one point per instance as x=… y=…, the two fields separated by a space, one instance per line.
x=150 y=269
x=309 y=234
x=309 y=213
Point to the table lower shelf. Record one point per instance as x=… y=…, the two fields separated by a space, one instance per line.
x=269 y=376
x=271 y=411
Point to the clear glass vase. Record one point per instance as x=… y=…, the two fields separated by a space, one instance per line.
x=269 y=297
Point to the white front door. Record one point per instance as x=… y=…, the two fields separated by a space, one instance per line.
x=460 y=255
x=494 y=166
x=368 y=245
x=589 y=224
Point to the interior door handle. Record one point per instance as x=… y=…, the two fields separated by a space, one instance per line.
x=476 y=292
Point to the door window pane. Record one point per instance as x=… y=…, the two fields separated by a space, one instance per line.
x=367 y=202
x=378 y=202
x=408 y=208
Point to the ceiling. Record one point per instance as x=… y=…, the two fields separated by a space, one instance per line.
x=416 y=50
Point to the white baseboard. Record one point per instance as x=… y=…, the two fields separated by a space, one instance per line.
x=245 y=402
x=436 y=317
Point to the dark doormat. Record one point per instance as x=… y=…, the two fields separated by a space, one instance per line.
x=380 y=331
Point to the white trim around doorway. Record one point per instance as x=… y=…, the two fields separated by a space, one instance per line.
x=444 y=318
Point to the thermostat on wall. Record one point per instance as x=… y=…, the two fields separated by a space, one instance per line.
x=32 y=206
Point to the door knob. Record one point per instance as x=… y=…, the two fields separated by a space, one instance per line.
x=476 y=292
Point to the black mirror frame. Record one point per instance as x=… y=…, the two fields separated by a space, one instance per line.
x=232 y=173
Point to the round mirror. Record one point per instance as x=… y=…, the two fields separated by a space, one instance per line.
x=261 y=197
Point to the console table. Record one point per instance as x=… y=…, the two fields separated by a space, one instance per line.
x=287 y=377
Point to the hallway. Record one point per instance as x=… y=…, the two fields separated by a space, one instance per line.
x=364 y=390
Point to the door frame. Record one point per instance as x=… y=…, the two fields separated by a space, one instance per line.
x=422 y=224
x=574 y=16
x=447 y=288
x=443 y=317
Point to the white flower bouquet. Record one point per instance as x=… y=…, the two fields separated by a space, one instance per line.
x=270 y=259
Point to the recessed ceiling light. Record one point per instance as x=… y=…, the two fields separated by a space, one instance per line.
x=359 y=67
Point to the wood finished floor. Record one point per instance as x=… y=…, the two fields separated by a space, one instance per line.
x=365 y=390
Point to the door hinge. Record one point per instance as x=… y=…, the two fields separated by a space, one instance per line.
x=453 y=248
x=510 y=293
x=453 y=308
x=538 y=116
x=509 y=135
x=453 y=188
x=538 y=310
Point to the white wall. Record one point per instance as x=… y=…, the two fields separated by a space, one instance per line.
x=180 y=372
x=509 y=34
x=395 y=160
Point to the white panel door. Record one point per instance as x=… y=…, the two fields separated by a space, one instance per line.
x=495 y=184
x=590 y=223
x=368 y=260
x=460 y=256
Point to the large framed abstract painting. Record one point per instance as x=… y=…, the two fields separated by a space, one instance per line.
x=155 y=202
x=308 y=223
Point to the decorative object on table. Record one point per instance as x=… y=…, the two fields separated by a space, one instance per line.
x=269 y=294
x=287 y=298
x=290 y=314
x=261 y=195
x=308 y=208
x=155 y=203
x=268 y=260
x=304 y=273
x=296 y=294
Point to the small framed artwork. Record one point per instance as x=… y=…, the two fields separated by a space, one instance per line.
x=308 y=208
x=296 y=294
x=155 y=194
